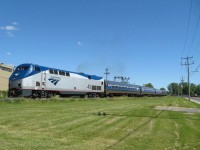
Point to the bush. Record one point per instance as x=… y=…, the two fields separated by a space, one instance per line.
x=3 y=94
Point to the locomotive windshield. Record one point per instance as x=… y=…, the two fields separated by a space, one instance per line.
x=22 y=68
x=21 y=71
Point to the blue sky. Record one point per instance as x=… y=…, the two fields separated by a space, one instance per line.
x=140 y=39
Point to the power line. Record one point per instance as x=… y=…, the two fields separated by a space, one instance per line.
x=196 y=49
x=187 y=28
x=196 y=70
x=198 y=67
x=194 y=35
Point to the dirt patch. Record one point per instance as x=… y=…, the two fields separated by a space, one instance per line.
x=181 y=109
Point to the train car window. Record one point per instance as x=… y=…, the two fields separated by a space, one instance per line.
x=101 y=83
x=37 y=69
x=37 y=83
x=99 y=88
x=67 y=74
x=51 y=71
x=55 y=71
x=94 y=87
x=61 y=73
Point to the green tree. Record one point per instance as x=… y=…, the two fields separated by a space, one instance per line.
x=149 y=85
x=192 y=89
x=198 y=90
x=185 y=88
x=174 y=88
x=163 y=89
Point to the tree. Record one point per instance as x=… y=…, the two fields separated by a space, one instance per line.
x=163 y=89
x=174 y=88
x=149 y=85
x=192 y=89
x=198 y=90
x=185 y=88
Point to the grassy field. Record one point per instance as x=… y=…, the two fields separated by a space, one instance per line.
x=113 y=123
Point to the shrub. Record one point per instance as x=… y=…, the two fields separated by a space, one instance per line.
x=3 y=94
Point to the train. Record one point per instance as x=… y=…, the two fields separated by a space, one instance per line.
x=36 y=81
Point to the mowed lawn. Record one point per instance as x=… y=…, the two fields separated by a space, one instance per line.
x=98 y=124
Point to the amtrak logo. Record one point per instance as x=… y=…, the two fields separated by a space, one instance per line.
x=54 y=81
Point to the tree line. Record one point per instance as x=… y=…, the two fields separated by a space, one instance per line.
x=178 y=88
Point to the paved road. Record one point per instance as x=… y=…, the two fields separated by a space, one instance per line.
x=195 y=99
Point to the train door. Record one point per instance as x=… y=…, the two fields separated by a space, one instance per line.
x=43 y=80
x=43 y=93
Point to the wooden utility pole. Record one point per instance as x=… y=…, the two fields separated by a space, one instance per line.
x=188 y=63
x=106 y=73
x=182 y=87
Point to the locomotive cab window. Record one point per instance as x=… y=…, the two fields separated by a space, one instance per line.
x=37 y=69
x=67 y=74
x=61 y=73
x=51 y=71
x=23 y=68
x=55 y=72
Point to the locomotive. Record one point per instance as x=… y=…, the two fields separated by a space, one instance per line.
x=30 y=80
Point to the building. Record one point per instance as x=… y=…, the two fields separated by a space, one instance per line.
x=5 y=72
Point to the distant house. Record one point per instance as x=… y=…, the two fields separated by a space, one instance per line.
x=5 y=72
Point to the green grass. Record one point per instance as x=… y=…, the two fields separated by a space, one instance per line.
x=127 y=123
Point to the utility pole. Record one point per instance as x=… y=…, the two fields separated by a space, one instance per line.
x=107 y=73
x=182 y=87
x=188 y=63
x=171 y=89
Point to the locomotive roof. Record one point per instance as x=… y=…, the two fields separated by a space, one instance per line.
x=43 y=68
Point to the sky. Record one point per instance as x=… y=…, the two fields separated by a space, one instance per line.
x=140 y=39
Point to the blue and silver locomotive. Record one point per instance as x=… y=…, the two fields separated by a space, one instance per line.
x=31 y=80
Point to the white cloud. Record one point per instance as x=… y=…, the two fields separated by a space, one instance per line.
x=79 y=43
x=8 y=53
x=9 y=29
x=15 y=23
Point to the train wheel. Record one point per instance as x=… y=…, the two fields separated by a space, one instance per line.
x=49 y=95
x=111 y=95
x=101 y=95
